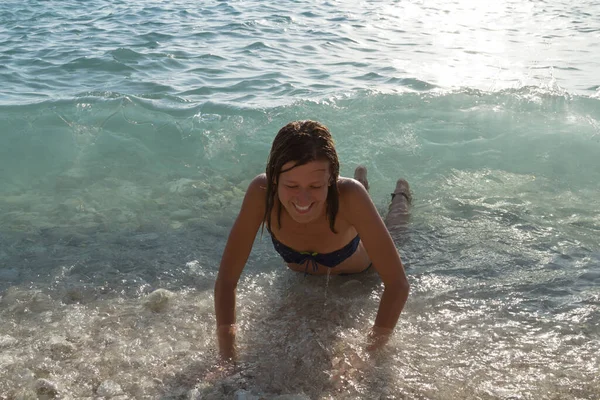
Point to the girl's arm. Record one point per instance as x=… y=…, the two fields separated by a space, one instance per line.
x=360 y=211
x=238 y=247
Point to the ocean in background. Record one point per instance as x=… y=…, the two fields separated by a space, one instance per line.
x=129 y=132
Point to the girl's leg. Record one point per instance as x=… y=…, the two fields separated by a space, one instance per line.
x=398 y=211
x=360 y=174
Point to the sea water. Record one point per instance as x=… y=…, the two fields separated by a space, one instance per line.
x=129 y=132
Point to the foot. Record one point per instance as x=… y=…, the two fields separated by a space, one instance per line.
x=399 y=209
x=402 y=189
x=360 y=174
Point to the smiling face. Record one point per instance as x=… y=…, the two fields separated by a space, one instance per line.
x=302 y=172
x=302 y=189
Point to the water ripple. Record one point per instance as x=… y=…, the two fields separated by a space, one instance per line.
x=129 y=132
x=366 y=38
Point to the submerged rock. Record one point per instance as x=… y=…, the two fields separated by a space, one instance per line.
x=73 y=178
x=24 y=394
x=231 y=383
x=352 y=285
x=158 y=300
x=244 y=395
x=25 y=376
x=9 y=274
x=73 y=295
x=44 y=387
x=292 y=397
x=7 y=341
x=60 y=348
x=188 y=188
x=41 y=302
x=19 y=301
x=109 y=388
x=182 y=214
x=146 y=237
x=193 y=394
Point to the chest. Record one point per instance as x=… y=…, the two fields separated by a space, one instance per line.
x=315 y=236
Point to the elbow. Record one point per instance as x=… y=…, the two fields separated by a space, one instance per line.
x=400 y=286
x=404 y=287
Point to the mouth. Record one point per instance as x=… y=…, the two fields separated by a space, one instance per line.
x=302 y=210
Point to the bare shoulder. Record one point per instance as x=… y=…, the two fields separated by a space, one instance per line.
x=256 y=192
x=351 y=190
x=259 y=183
x=354 y=198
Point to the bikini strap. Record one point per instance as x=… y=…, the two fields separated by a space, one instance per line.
x=310 y=258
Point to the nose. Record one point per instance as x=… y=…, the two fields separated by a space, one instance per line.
x=303 y=197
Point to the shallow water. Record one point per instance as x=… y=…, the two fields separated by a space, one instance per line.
x=129 y=133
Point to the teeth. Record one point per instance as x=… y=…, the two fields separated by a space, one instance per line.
x=301 y=208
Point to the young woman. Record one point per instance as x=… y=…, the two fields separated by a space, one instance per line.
x=319 y=222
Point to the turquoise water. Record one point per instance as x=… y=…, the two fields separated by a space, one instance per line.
x=130 y=130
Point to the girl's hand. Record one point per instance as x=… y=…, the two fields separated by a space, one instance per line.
x=226 y=339
x=378 y=337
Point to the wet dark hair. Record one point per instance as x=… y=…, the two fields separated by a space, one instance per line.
x=301 y=142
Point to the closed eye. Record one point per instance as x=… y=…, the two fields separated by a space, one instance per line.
x=296 y=186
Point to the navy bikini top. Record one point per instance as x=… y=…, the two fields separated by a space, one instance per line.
x=329 y=260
